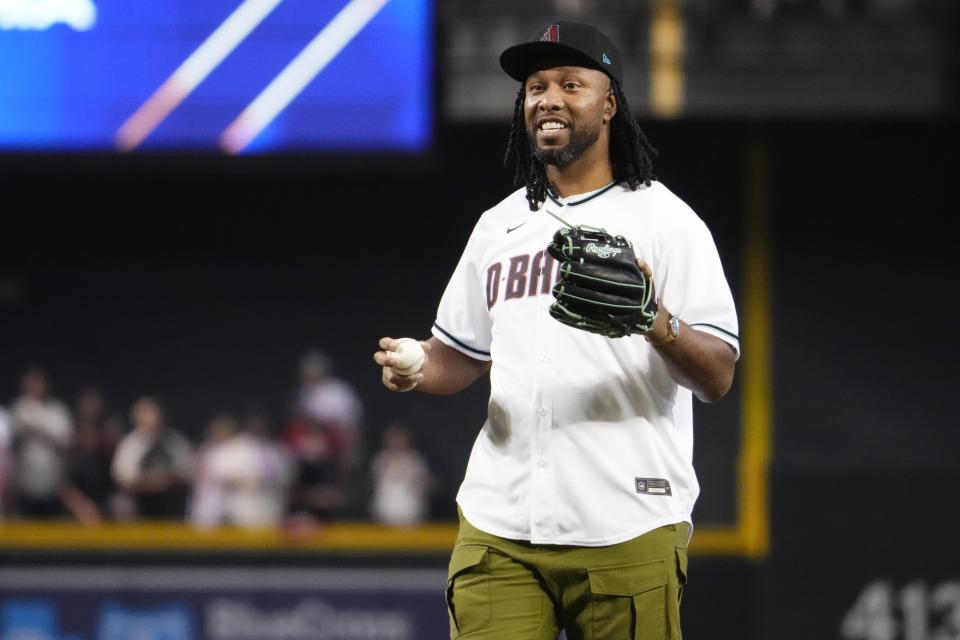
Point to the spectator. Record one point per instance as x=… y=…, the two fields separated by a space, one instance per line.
x=152 y=463
x=318 y=493
x=402 y=482
x=208 y=500
x=326 y=408
x=242 y=477
x=274 y=465
x=42 y=432
x=91 y=483
x=330 y=404
x=6 y=444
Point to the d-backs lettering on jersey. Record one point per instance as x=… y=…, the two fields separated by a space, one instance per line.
x=524 y=275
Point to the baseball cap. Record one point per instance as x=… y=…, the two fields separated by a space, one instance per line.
x=564 y=42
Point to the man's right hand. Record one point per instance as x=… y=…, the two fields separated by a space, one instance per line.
x=387 y=359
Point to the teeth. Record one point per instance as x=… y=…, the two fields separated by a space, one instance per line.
x=551 y=126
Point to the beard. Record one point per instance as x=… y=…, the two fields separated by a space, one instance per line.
x=580 y=141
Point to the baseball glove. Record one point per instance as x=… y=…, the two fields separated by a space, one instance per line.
x=601 y=289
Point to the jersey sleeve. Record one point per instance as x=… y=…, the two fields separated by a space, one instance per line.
x=692 y=283
x=463 y=320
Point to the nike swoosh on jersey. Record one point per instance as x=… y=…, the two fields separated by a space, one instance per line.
x=509 y=229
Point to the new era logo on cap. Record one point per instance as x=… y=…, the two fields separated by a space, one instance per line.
x=551 y=34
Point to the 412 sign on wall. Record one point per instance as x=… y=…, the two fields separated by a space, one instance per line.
x=916 y=611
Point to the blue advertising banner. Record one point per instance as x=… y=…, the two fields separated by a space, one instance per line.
x=222 y=604
x=235 y=75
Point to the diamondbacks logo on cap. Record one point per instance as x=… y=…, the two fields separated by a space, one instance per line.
x=552 y=34
x=606 y=59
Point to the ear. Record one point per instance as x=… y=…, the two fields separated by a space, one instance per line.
x=610 y=105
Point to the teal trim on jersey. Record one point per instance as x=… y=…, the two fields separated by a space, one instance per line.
x=587 y=199
x=596 y=195
x=465 y=346
x=720 y=329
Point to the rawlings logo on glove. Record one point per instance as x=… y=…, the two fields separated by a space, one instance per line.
x=602 y=251
x=602 y=288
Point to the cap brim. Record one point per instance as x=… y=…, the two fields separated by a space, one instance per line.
x=520 y=60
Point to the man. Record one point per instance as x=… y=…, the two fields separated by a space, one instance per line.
x=153 y=463
x=43 y=432
x=330 y=405
x=576 y=505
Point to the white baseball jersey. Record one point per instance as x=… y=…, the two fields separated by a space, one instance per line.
x=588 y=440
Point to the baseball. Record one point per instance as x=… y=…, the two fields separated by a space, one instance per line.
x=409 y=356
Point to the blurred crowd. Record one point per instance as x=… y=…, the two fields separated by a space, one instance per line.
x=86 y=463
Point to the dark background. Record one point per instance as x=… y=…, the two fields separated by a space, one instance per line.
x=205 y=285
x=203 y=279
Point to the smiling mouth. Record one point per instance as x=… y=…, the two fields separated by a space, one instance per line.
x=550 y=126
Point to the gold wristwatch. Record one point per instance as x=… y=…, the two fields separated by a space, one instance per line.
x=673 y=330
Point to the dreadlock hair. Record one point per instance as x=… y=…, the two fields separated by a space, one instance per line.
x=631 y=154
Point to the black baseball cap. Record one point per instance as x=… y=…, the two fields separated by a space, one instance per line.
x=564 y=42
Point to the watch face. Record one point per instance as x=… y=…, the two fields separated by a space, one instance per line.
x=674 y=326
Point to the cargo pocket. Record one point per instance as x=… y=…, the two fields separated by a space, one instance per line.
x=681 y=571
x=681 y=553
x=629 y=602
x=468 y=591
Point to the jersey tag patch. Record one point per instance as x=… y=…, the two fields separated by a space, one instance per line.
x=653 y=486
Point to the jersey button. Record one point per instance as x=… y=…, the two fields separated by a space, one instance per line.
x=541 y=412
x=543 y=464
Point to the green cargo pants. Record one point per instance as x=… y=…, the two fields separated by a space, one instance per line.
x=501 y=589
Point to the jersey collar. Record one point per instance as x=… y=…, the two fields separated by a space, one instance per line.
x=583 y=197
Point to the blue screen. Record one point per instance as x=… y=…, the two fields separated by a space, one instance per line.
x=242 y=76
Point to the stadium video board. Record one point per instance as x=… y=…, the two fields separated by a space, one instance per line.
x=240 y=76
